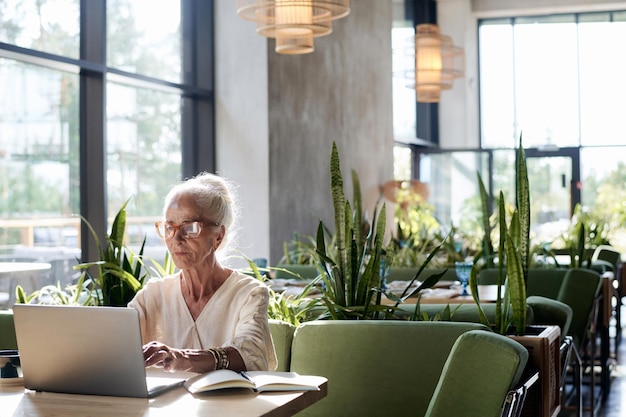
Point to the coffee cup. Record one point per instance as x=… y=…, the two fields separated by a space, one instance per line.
x=10 y=364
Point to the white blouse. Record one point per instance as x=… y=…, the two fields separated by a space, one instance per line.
x=236 y=316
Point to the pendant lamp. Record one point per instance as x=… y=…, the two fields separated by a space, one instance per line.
x=293 y=23
x=437 y=63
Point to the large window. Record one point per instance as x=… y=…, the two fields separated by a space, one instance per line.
x=83 y=130
x=556 y=81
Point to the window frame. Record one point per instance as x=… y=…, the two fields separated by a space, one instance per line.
x=196 y=91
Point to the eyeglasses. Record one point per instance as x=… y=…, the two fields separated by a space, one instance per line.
x=189 y=230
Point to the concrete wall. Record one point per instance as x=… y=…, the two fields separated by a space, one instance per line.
x=277 y=116
x=341 y=92
x=242 y=130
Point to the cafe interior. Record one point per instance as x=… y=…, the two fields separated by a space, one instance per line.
x=452 y=125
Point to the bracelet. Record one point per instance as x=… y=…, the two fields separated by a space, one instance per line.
x=215 y=358
x=224 y=362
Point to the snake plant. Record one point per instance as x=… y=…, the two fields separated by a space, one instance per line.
x=353 y=268
x=513 y=254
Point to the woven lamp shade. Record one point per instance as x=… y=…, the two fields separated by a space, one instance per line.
x=293 y=23
x=437 y=63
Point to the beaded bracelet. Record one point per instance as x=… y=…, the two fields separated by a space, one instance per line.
x=224 y=362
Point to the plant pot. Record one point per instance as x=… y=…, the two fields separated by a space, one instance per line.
x=543 y=343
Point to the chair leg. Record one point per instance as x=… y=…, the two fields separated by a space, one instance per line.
x=572 y=365
x=578 y=382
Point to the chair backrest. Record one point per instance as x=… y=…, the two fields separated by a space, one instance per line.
x=282 y=337
x=488 y=276
x=7 y=331
x=550 y=311
x=496 y=360
x=545 y=282
x=579 y=290
x=375 y=367
x=609 y=254
x=464 y=312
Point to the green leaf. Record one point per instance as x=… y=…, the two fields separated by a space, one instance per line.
x=473 y=283
x=118 y=229
x=486 y=209
x=427 y=283
x=339 y=203
x=431 y=255
x=500 y=317
x=357 y=206
x=516 y=285
x=523 y=207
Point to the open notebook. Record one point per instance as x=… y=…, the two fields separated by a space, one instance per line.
x=86 y=350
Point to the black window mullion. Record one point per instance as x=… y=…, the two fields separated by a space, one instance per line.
x=426 y=114
x=198 y=115
x=92 y=125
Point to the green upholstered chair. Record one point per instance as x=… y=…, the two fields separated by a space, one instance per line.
x=7 y=331
x=282 y=336
x=378 y=367
x=610 y=259
x=488 y=276
x=579 y=290
x=497 y=361
x=464 y=312
x=545 y=282
x=607 y=255
x=549 y=311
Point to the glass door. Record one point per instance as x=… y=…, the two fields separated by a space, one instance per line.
x=554 y=191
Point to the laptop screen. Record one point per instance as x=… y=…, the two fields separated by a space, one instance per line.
x=81 y=350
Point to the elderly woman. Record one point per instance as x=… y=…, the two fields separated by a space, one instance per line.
x=206 y=316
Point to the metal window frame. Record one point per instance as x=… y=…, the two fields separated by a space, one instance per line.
x=196 y=91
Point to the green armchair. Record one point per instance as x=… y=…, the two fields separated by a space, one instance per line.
x=392 y=368
x=494 y=359
x=282 y=336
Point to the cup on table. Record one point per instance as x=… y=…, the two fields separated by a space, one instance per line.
x=10 y=364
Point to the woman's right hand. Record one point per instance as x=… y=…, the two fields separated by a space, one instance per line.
x=162 y=356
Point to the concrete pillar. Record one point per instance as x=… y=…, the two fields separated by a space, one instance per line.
x=342 y=93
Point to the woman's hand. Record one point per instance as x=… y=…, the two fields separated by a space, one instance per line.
x=162 y=356
x=194 y=360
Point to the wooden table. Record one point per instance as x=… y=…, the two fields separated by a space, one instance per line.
x=16 y=401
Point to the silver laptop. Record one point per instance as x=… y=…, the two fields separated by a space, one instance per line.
x=85 y=350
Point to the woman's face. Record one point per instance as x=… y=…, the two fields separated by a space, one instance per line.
x=187 y=252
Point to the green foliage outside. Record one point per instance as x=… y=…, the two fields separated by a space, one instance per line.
x=29 y=189
x=112 y=280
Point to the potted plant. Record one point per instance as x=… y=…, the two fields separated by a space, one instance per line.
x=543 y=342
x=354 y=265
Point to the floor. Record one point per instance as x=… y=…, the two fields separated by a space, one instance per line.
x=615 y=405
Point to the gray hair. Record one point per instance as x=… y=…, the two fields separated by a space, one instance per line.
x=215 y=195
